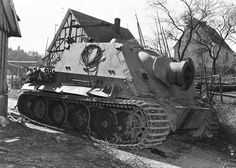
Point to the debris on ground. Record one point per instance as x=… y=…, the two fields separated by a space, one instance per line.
x=3 y=121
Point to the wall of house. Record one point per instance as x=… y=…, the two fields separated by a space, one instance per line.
x=226 y=58
x=201 y=57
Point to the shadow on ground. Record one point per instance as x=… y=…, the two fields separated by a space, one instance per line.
x=24 y=147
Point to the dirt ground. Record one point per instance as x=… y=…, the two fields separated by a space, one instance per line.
x=25 y=147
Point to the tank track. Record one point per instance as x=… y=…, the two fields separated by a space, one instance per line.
x=123 y=123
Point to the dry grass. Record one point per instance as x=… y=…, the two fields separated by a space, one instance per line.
x=227 y=115
x=128 y=159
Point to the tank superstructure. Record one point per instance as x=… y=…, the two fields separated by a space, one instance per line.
x=115 y=92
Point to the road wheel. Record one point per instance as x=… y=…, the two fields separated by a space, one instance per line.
x=58 y=113
x=39 y=108
x=104 y=123
x=79 y=116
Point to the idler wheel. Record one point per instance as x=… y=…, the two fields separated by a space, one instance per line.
x=58 y=113
x=103 y=123
x=79 y=116
x=39 y=108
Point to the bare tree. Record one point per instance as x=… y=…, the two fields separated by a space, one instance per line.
x=194 y=12
x=220 y=28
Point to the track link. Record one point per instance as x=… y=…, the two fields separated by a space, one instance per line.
x=136 y=123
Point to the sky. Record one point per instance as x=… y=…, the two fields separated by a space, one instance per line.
x=40 y=18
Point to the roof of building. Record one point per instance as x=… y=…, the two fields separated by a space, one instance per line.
x=101 y=33
x=211 y=33
x=12 y=18
x=99 y=30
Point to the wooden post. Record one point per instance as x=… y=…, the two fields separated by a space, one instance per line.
x=3 y=73
x=8 y=28
x=211 y=94
x=206 y=83
x=3 y=104
x=220 y=82
x=201 y=83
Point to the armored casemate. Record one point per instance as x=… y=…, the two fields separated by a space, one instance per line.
x=115 y=92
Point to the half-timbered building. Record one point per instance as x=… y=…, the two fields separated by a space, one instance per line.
x=78 y=27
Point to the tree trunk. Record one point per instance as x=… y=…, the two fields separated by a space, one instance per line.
x=214 y=66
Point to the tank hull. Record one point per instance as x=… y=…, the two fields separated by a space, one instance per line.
x=115 y=94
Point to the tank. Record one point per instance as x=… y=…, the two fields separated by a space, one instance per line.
x=115 y=92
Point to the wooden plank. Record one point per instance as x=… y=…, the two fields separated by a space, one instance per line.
x=226 y=95
x=25 y=62
x=5 y=61
x=1 y=14
x=1 y=56
x=1 y=48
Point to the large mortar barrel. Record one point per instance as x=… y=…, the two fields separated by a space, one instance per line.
x=169 y=71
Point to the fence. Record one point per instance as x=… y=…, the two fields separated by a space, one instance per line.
x=14 y=81
x=218 y=85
